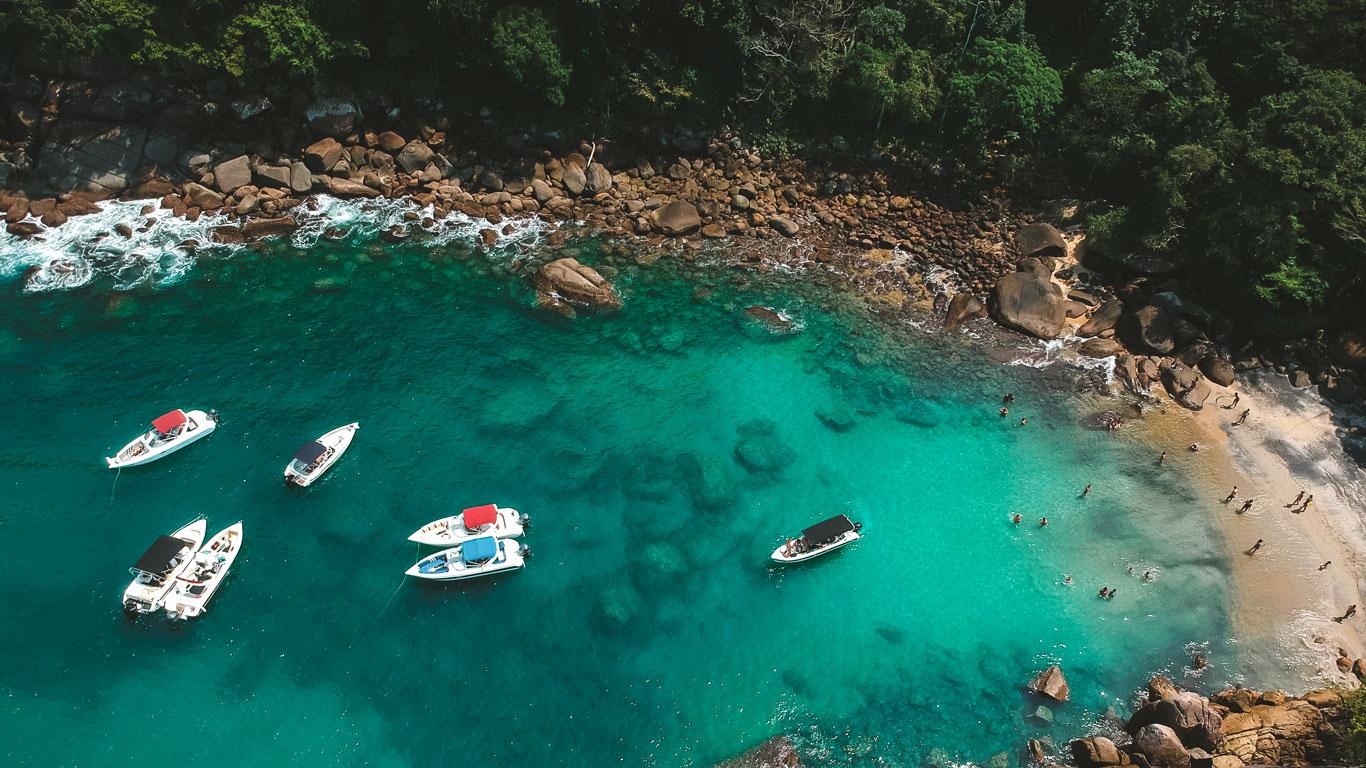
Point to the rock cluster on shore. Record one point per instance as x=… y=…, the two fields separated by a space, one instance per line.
x=1231 y=729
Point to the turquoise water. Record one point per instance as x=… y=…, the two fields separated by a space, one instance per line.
x=648 y=628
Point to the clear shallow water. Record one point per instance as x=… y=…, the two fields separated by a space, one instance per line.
x=648 y=628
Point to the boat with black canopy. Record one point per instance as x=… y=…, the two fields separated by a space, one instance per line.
x=169 y=433
x=317 y=456
x=821 y=538
x=472 y=523
x=154 y=574
x=484 y=556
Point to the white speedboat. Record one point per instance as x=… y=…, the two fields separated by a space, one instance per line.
x=156 y=571
x=488 y=520
x=477 y=557
x=819 y=539
x=318 y=456
x=169 y=433
x=209 y=567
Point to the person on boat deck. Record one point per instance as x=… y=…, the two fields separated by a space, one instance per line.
x=788 y=549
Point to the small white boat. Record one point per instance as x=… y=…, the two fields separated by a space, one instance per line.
x=819 y=539
x=318 y=456
x=487 y=520
x=156 y=571
x=169 y=433
x=209 y=567
x=477 y=557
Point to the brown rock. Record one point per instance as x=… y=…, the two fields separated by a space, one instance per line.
x=1161 y=746
x=1185 y=385
x=785 y=226
x=23 y=228
x=53 y=218
x=1149 y=329
x=676 y=218
x=1099 y=348
x=202 y=196
x=273 y=176
x=1219 y=370
x=574 y=180
x=229 y=235
x=1040 y=240
x=1050 y=683
x=1029 y=304
x=346 y=187
x=962 y=308
x=1349 y=348
x=597 y=179
x=258 y=228
x=415 y=156
x=777 y=752
x=231 y=175
x=713 y=231
x=1096 y=752
x=390 y=141
x=576 y=284
x=322 y=154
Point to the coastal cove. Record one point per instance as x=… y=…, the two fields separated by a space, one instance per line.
x=660 y=450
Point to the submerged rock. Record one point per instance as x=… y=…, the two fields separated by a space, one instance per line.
x=920 y=413
x=763 y=453
x=839 y=418
x=709 y=481
x=771 y=319
x=777 y=752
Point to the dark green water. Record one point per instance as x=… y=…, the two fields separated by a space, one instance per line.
x=648 y=629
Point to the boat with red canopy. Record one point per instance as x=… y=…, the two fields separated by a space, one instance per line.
x=486 y=520
x=169 y=433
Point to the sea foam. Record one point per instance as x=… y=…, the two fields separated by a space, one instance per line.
x=163 y=247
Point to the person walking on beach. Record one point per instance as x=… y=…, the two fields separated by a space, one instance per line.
x=1246 y=506
x=1233 y=404
x=1325 y=565
x=1242 y=418
x=1351 y=611
x=1296 y=501
x=1305 y=505
x=1086 y=491
x=1231 y=494
x=1256 y=546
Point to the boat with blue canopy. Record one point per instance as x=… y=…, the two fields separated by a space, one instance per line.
x=483 y=556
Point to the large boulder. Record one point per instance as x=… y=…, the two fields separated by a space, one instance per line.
x=577 y=284
x=1097 y=752
x=1030 y=304
x=233 y=174
x=415 y=156
x=1050 y=683
x=1219 y=370
x=962 y=308
x=333 y=117
x=1149 y=329
x=1161 y=746
x=1102 y=319
x=597 y=179
x=676 y=218
x=322 y=154
x=1099 y=348
x=202 y=196
x=1194 y=720
x=785 y=226
x=1185 y=385
x=1349 y=348
x=300 y=178
x=90 y=157
x=575 y=180
x=258 y=228
x=1040 y=240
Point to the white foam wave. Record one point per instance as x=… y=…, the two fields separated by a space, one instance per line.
x=163 y=247
x=1046 y=353
x=159 y=251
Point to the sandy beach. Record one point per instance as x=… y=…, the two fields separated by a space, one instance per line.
x=1283 y=604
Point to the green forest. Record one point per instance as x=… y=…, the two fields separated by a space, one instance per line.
x=1226 y=137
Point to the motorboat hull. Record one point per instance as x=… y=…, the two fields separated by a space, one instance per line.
x=848 y=537
x=451 y=531
x=510 y=557
x=202 y=426
x=338 y=440
x=142 y=596
x=209 y=568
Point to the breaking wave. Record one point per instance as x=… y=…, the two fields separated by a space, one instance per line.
x=132 y=243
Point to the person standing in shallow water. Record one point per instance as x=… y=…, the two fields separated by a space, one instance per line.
x=1086 y=491
x=1163 y=458
x=1231 y=494
x=1246 y=506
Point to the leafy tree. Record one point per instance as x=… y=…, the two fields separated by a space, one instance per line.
x=524 y=45
x=1006 y=91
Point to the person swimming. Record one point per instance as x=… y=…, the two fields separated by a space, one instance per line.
x=1004 y=411
x=1017 y=518
x=1043 y=521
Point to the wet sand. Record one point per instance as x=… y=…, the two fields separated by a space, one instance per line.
x=1282 y=604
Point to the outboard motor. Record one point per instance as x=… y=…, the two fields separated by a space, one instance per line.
x=130 y=609
x=526 y=551
x=526 y=520
x=213 y=415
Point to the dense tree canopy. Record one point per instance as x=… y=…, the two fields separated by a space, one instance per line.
x=1228 y=138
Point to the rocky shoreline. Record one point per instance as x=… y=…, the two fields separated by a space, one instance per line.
x=1170 y=728
x=70 y=145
